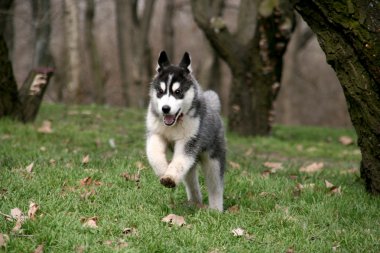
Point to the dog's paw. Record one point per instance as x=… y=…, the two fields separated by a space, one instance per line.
x=167 y=181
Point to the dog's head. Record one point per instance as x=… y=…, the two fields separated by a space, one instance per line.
x=172 y=90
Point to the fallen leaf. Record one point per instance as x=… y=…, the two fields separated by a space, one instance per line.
x=248 y=152
x=86 y=181
x=140 y=165
x=350 y=171
x=129 y=231
x=314 y=167
x=45 y=127
x=3 y=240
x=233 y=209
x=17 y=214
x=87 y=194
x=173 y=219
x=290 y=250
x=328 y=184
x=90 y=222
x=33 y=208
x=80 y=249
x=43 y=148
x=29 y=168
x=234 y=165
x=265 y=173
x=336 y=190
x=266 y=194
x=86 y=159
x=112 y=143
x=39 y=249
x=121 y=244
x=238 y=232
x=131 y=177
x=273 y=166
x=346 y=140
x=17 y=226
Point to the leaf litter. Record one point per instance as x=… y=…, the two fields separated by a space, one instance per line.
x=173 y=219
x=311 y=168
x=45 y=127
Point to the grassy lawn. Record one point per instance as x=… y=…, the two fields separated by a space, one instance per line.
x=283 y=211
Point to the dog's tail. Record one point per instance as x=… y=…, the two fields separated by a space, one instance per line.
x=212 y=99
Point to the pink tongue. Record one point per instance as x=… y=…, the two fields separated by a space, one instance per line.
x=169 y=119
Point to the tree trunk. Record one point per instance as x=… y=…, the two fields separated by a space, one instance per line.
x=71 y=25
x=168 y=27
x=8 y=87
x=348 y=32
x=42 y=26
x=22 y=105
x=254 y=55
x=97 y=73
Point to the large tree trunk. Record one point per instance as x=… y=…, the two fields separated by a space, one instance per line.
x=348 y=32
x=168 y=27
x=254 y=55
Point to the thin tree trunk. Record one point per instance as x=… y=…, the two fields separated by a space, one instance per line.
x=168 y=27
x=71 y=24
x=348 y=33
x=42 y=25
x=98 y=75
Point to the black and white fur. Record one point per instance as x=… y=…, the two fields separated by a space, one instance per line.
x=182 y=116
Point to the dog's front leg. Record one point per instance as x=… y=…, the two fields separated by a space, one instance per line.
x=156 y=153
x=179 y=167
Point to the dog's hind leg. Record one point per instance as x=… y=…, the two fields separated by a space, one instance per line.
x=191 y=182
x=214 y=180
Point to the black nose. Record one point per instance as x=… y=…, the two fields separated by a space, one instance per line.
x=166 y=109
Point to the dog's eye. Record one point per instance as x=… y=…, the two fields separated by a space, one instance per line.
x=160 y=91
x=178 y=91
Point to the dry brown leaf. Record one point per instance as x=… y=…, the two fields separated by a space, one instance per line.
x=29 y=168
x=336 y=190
x=17 y=226
x=346 y=140
x=17 y=214
x=173 y=219
x=233 y=209
x=238 y=232
x=90 y=222
x=311 y=168
x=33 y=208
x=4 y=238
x=234 y=165
x=273 y=166
x=139 y=165
x=265 y=173
x=86 y=181
x=131 y=177
x=45 y=127
x=86 y=159
x=290 y=250
x=129 y=231
x=39 y=249
x=328 y=184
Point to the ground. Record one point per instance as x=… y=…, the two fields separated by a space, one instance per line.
x=96 y=193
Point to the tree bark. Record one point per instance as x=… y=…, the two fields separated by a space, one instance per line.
x=168 y=27
x=98 y=75
x=349 y=34
x=42 y=26
x=135 y=54
x=71 y=27
x=254 y=55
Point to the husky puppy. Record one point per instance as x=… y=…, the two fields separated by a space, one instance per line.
x=182 y=116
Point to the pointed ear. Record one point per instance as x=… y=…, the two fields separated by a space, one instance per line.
x=185 y=62
x=163 y=61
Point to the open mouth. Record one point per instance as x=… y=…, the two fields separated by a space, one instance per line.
x=170 y=120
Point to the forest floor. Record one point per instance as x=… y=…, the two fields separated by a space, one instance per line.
x=77 y=180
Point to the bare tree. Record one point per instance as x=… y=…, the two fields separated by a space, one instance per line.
x=71 y=33
x=97 y=73
x=254 y=55
x=133 y=26
x=168 y=27
x=348 y=33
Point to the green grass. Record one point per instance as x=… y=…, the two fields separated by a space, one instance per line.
x=275 y=218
